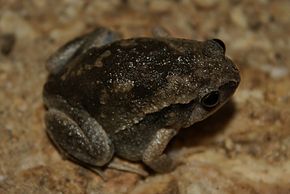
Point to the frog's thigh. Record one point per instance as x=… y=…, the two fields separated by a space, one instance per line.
x=88 y=144
x=57 y=61
x=96 y=38
x=153 y=155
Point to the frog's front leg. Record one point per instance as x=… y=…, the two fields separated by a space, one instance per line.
x=153 y=155
x=78 y=135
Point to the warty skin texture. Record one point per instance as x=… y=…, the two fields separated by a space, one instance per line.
x=130 y=97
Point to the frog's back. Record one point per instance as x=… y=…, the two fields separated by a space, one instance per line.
x=121 y=82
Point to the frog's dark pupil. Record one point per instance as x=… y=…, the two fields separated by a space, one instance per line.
x=210 y=100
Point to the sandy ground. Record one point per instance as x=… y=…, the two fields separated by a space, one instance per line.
x=243 y=148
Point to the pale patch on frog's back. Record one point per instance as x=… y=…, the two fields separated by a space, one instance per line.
x=164 y=98
x=99 y=62
x=161 y=98
x=123 y=86
x=182 y=45
x=128 y=43
x=73 y=72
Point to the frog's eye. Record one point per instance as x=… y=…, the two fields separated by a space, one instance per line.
x=211 y=99
x=214 y=47
x=220 y=43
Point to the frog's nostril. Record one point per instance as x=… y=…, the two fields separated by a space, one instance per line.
x=229 y=88
x=232 y=84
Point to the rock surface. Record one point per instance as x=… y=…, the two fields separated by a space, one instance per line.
x=244 y=148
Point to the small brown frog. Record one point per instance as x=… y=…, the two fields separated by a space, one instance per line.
x=109 y=96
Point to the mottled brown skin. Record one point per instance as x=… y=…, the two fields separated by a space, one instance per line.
x=109 y=96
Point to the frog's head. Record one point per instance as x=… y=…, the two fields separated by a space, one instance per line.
x=218 y=79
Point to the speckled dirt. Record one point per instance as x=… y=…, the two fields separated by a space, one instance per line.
x=244 y=148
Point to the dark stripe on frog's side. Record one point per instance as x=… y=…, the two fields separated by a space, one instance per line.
x=129 y=143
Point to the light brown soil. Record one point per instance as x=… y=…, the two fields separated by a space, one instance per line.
x=244 y=148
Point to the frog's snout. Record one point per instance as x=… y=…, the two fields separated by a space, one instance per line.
x=229 y=88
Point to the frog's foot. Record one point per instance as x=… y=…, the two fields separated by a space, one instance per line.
x=153 y=155
x=81 y=138
x=97 y=38
x=123 y=165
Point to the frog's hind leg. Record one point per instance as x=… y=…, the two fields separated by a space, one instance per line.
x=78 y=135
x=97 y=38
x=90 y=149
x=127 y=166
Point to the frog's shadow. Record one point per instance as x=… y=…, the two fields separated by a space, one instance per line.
x=204 y=132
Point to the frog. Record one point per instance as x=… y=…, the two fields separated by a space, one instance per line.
x=107 y=97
